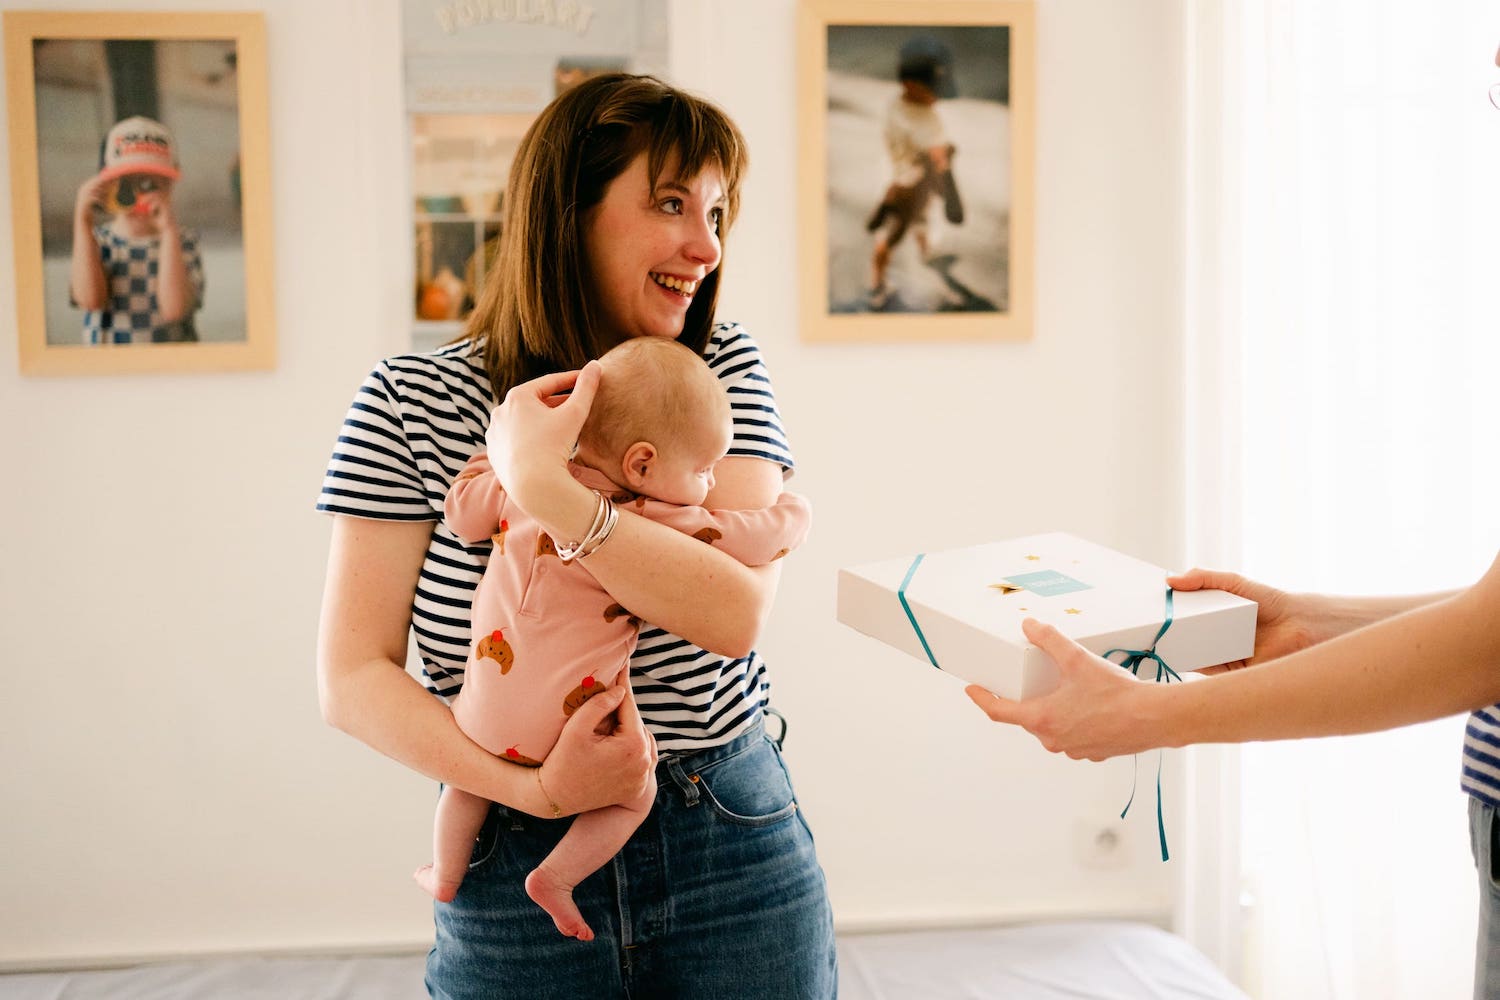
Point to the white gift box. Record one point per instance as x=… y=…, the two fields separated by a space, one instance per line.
x=969 y=603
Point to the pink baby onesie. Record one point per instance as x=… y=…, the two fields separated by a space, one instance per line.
x=545 y=636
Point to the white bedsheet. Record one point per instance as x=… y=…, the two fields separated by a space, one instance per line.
x=1093 y=960
x=1098 y=960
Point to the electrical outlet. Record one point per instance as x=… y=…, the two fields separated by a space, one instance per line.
x=1100 y=845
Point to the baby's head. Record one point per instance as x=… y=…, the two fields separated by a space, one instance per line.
x=660 y=421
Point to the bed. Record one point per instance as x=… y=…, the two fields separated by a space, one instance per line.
x=1062 y=960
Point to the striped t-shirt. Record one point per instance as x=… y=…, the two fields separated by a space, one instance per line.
x=1481 y=773
x=414 y=423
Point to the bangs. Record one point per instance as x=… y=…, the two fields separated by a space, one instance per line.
x=699 y=137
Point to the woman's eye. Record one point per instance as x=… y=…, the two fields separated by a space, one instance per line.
x=672 y=206
x=717 y=215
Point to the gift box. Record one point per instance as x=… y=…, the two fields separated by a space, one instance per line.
x=961 y=610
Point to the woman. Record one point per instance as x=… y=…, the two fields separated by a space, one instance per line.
x=617 y=202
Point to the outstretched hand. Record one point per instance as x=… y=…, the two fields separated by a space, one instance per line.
x=1097 y=711
x=1281 y=624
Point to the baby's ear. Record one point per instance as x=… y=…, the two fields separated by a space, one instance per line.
x=636 y=463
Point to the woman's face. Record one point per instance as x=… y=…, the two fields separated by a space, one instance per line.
x=650 y=253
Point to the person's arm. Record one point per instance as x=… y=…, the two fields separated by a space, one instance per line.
x=174 y=293
x=86 y=281
x=364 y=690
x=666 y=578
x=1428 y=659
x=472 y=507
x=754 y=537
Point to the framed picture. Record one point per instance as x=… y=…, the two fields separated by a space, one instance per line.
x=916 y=202
x=140 y=192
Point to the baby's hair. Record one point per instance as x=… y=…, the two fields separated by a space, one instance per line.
x=654 y=390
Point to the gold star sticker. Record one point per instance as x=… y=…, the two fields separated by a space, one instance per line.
x=1073 y=611
x=1005 y=588
x=1033 y=558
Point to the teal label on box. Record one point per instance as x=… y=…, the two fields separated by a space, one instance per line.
x=1047 y=583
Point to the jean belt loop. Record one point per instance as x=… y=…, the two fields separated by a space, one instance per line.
x=780 y=736
x=688 y=785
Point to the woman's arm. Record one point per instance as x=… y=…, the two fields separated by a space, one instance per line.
x=365 y=691
x=662 y=576
x=690 y=589
x=1437 y=659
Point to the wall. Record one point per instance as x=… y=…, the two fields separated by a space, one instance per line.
x=170 y=787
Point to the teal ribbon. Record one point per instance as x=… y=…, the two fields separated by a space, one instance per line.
x=1164 y=675
x=901 y=595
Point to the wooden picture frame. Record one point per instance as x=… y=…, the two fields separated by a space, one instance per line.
x=887 y=90
x=75 y=79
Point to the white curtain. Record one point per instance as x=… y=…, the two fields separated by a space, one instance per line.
x=1344 y=342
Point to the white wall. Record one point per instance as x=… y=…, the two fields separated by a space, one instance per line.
x=169 y=786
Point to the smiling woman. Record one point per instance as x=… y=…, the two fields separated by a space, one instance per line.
x=619 y=199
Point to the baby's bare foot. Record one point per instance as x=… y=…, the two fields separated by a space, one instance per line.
x=555 y=896
x=442 y=890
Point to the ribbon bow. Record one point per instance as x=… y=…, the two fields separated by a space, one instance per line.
x=1164 y=675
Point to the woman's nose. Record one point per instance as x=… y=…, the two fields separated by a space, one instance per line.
x=703 y=245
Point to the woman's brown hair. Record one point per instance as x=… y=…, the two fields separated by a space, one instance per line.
x=536 y=314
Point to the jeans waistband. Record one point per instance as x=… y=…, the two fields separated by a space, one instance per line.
x=692 y=760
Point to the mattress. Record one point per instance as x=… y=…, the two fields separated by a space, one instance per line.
x=1102 y=960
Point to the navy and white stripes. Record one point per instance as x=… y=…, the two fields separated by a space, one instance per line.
x=414 y=423
x=1481 y=773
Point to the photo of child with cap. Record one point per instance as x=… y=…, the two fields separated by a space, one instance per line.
x=135 y=271
x=919 y=161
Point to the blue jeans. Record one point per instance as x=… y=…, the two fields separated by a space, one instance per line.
x=1483 y=835
x=718 y=894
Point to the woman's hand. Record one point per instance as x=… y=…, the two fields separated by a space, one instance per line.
x=1097 y=711
x=604 y=756
x=1284 y=623
x=532 y=433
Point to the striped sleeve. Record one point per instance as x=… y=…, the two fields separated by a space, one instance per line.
x=758 y=433
x=373 y=472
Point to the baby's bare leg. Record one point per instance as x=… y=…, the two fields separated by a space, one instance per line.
x=459 y=817
x=590 y=842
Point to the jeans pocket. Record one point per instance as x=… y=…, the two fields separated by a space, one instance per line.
x=750 y=788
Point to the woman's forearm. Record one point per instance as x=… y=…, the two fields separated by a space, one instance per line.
x=380 y=704
x=1437 y=660
x=689 y=588
x=669 y=579
x=1336 y=616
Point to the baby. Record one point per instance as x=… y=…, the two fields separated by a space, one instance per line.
x=546 y=636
